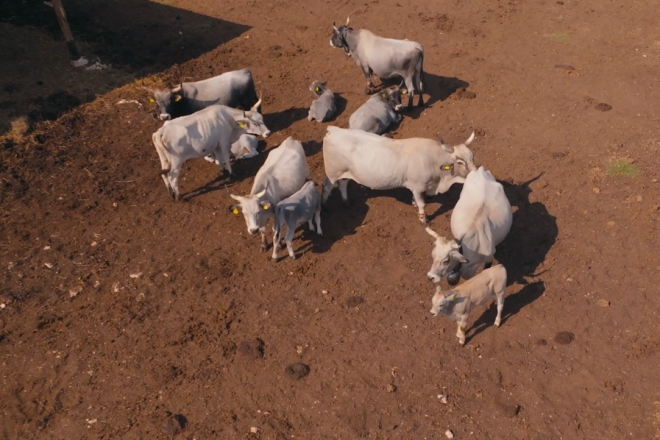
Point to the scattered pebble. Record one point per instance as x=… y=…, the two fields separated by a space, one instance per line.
x=603 y=303
x=97 y=283
x=391 y=388
x=94 y=243
x=136 y=275
x=297 y=371
x=91 y=421
x=611 y=224
x=115 y=204
x=639 y=198
x=449 y=434
x=2 y=306
x=542 y=342
x=325 y=292
x=603 y=107
x=443 y=398
x=115 y=287
x=254 y=430
x=654 y=180
x=46 y=248
x=509 y=410
x=596 y=190
x=299 y=349
x=564 y=338
x=48 y=265
x=558 y=154
x=172 y=425
x=75 y=291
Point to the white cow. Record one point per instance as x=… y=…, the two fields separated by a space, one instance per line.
x=244 y=148
x=480 y=221
x=424 y=166
x=284 y=172
x=461 y=300
x=301 y=207
x=207 y=132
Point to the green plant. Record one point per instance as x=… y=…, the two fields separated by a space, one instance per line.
x=561 y=37
x=622 y=168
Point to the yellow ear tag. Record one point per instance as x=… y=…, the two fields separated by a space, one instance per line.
x=453 y=298
x=235 y=211
x=177 y=98
x=317 y=89
x=403 y=92
x=265 y=207
x=151 y=100
x=242 y=124
x=384 y=95
x=446 y=167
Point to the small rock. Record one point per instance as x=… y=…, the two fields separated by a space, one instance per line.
x=558 y=154
x=654 y=180
x=443 y=398
x=596 y=190
x=171 y=426
x=91 y=421
x=603 y=107
x=115 y=287
x=115 y=204
x=94 y=243
x=297 y=371
x=354 y=301
x=299 y=349
x=391 y=388
x=2 y=306
x=75 y=291
x=611 y=224
x=542 y=342
x=97 y=283
x=48 y=265
x=251 y=350
x=136 y=275
x=639 y=198
x=325 y=292
x=509 y=410
x=46 y=248
x=603 y=303
x=564 y=338
x=254 y=430
x=449 y=434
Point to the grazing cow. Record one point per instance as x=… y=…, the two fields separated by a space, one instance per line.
x=421 y=165
x=233 y=89
x=461 y=300
x=244 y=148
x=378 y=114
x=480 y=221
x=301 y=207
x=284 y=172
x=385 y=57
x=206 y=132
x=324 y=106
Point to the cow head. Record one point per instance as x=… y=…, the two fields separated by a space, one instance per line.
x=446 y=256
x=253 y=122
x=442 y=303
x=318 y=87
x=392 y=96
x=256 y=210
x=463 y=157
x=338 y=38
x=165 y=99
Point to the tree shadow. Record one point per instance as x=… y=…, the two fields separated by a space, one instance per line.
x=512 y=306
x=284 y=119
x=533 y=233
x=138 y=38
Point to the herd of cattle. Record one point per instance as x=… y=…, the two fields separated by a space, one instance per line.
x=218 y=118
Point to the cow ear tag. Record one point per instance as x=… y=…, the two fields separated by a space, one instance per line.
x=404 y=92
x=316 y=88
x=384 y=95
x=242 y=124
x=151 y=100
x=177 y=98
x=265 y=207
x=235 y=211
x=446 y=167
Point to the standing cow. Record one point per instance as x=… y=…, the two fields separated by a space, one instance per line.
x=424 y=166
x=284 y=172
x=379 y=114
x=385 y=57
x=233 y=89
x=324 y=106
x=210 y=131
x=480 y=221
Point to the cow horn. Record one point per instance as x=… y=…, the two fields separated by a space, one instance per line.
x=237 y=198
x=260 y=194
x=176 y=89
x=348 y=19
x=470 y=139
x=447 y=148
x=432 y=233
x=256 y=106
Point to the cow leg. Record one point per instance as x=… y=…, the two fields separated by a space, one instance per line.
x=327 y=189
x=173 y=176
x=317 y=216
x=343 y=189
x=418 y=200
x=224 y=153
x=310 y=224
x=276 y=242
x=410 y=85
x=165 y=168
x=415 y=203
x=460 y=333
x=500 y=306
x=264 y=243
x=367 y=76
x=289 y=240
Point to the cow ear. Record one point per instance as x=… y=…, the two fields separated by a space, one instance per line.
x=235 y=209
x=458 y=257
x=452 y=297
x=266 y=206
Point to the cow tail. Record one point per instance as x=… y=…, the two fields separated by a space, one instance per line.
x=165 y=163
x=420 y=70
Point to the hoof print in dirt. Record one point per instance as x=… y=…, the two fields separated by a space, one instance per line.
x=509 y=410
x=603 y=107
x=297 y=371
x=251 y=350
x=464 y=93
x=558 y=154
x=354 y=301
x=173 y=424
x=542 y=342
x=564 y=338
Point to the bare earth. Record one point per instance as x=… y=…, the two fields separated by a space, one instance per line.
x=129 y=316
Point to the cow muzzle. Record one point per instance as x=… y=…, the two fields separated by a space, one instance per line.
x=398 y=107
x=433 y=277
x=165 y=117
x=253 y=231
x=266 y=134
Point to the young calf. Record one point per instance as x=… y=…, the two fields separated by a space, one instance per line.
x=460 y=301
x=293 y=211
x=324 y=107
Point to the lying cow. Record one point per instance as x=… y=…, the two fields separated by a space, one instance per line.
x=233 y=89
x=284 y=172
x=378 y=114
x=424 y=166
x=480 y=221
x=244 y=148
x=207 y=132
x=301 y=207
x=385 y=57
x=324 y=106
x=461 y=300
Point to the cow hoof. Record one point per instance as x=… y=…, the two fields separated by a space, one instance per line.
x=263 y=248
x=273 y=259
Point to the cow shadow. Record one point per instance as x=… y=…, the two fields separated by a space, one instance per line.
x=533 y=233
x=512 y=306
x=312 y=148
x=279 y=121
x=341 y=103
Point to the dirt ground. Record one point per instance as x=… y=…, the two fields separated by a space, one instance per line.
x=126 y=315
